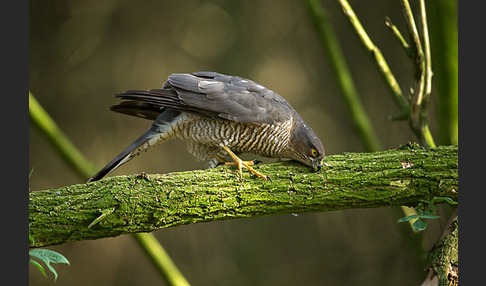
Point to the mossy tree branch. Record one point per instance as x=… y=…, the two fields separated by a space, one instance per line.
x=143 y=203
x=443 y=260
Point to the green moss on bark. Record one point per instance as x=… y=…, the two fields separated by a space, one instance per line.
x=142 y=203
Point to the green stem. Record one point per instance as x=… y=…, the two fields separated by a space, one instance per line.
x=379 y=60
x=348 y=92
x=444 y=44
x=85 y=169
x=423 y=73
x=427 y=137
x=161 y=259
x=66 y=148
x=398 y=35
x=428 y=57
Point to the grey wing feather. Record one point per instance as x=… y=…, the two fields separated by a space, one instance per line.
x=212 y=95
x=139 y=109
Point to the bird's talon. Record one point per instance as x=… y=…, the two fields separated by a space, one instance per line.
x=255 y=161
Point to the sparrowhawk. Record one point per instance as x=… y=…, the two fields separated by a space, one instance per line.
x=218 y=115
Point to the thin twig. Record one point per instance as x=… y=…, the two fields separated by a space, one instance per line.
x=379 y=60
x=417 y=57
x=398 y=35
x=428 y=57
x=416 y=110
x=413 y=33
x=427 y=136
x=423 y=74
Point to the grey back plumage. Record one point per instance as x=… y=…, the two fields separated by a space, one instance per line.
x=209 y=94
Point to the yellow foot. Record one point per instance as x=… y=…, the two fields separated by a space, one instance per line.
x=240 y=163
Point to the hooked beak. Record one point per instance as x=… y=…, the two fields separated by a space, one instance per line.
x=317 y=165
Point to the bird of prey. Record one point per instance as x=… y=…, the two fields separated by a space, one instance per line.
x=218 y=115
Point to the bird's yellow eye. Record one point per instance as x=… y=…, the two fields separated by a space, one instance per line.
x=314 y=152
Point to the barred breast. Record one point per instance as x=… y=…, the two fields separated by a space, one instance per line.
x=262 y=139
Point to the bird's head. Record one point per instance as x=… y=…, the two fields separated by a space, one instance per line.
x=305 y=146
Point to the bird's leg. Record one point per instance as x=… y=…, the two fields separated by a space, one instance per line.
x=240 y=163
x=222 y=161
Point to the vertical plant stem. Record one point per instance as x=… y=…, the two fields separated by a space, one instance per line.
x=379 y=59
x=417 y=56
x=427 y=136
x=416 y=111
x=420 y=54
x=428 y=58
x=412 y=30
x=345 y=82
x=444 y=44
x=85 y=169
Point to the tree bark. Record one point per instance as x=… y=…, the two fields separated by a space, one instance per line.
x=443 y=260
x=143 y=203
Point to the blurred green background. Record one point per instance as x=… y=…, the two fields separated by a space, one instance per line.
x=83 y=52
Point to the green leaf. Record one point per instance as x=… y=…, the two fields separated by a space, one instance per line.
x=39 y=266
x=49 y=256
x=427 y=216
x=419 y=225
x=444 y=200
x=407 y=218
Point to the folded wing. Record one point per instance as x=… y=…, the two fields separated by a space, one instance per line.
x=208 y=94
